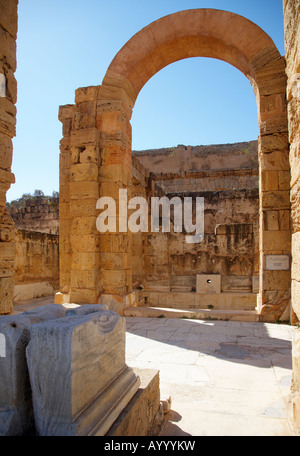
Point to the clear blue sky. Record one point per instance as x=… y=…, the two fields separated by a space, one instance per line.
x=66 y=44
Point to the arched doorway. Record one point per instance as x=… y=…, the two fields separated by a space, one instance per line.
x=95 y=155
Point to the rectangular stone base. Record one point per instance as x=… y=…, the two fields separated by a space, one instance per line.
x=79 y=379
x=99 y=416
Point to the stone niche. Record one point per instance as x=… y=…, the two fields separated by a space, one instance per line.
x=64 y=371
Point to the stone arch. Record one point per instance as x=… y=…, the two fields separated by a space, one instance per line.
x=98 y=126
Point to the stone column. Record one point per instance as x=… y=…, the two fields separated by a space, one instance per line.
x=95 y=161
x=292 y=48
x=8 y=99
x=113 y=122
x=275 y=229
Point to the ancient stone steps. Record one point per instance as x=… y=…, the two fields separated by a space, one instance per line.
x=188 y=300
x=195 y=314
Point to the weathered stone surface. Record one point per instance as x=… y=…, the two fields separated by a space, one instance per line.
x=79 y=310
x=143 y=415
x=118 y=303
x=208 y=284
x=16 y=413
x=292 y=51
x=36 y=259
x=6 y=294
x=80 y=381
x=28 y=291
x=37 y=215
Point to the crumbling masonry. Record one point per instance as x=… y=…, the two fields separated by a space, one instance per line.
x=95 y=155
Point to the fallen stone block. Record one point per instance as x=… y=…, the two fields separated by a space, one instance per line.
x=16 y=411
x=79 y=379
x=84 y=309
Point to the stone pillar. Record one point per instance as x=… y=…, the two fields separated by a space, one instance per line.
x=95 y=161
x=292 y=51
x=79 y=192
x=275 y=229
x=113 y=121
x=8 y=99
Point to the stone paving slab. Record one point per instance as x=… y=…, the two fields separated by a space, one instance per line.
x=225 y=378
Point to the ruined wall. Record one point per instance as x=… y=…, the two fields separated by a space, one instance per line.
x=183 y=159
x=40 y=215
x=8 y=99
x=164 y=261
x=36 y=258
x=229 y=247
x=292 y=48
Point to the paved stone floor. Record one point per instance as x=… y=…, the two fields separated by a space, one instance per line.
x=224 y=378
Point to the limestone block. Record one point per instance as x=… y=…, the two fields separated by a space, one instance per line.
x=83 y=94
x=84 y=137
x=82 y=190
x=113 y=172
x=84 y=172
x=86 y=295
x=85 y=261
x=83 y=120
x=16 y=412
x=80 y=381
x=9 y=16
x=255 y=284
x=24 y=292
x=84 y=279
x=276 y=280
x=65 y=115
x=6 y=295
x=143 y=415
x=276 y=199
x=84 y=226
x=61 y=298
x=6 y=151
x=276 y=241
x=275 y=160
x=8 y=49
x=83 y=208
x=16 y=415
x=271 y=220
x=85 y=243
x=296 y=361
x=239 y=284
x=296 y=297
x=208 y=283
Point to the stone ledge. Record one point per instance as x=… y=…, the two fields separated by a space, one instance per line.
x=198 y=314
x=143 y=416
